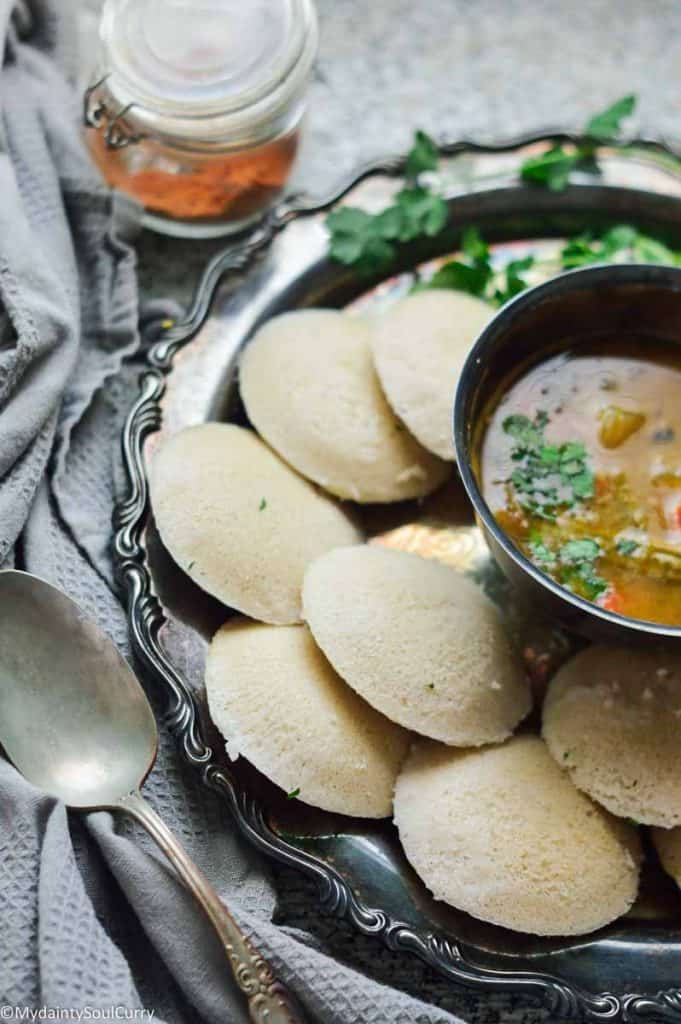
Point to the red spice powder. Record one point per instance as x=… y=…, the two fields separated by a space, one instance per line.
x=231 y=186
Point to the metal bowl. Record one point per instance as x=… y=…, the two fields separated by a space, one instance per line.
x=642 y=299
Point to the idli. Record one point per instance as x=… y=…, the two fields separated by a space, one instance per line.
x=418 y=641
x=310 y=389
x=667 y=842
x=276 y=700
x=612 y=719
x=419 y=347
x=503 y=834
x=239 y=521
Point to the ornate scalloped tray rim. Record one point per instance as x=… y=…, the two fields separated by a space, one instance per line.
x=146 y=619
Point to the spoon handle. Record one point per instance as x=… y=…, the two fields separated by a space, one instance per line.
x=268 y=999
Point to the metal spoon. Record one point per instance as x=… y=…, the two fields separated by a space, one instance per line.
x=77 y=724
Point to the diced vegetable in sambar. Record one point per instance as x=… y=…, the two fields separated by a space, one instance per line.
x=617 y=425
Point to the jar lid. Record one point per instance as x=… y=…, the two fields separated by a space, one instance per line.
x=201 y=69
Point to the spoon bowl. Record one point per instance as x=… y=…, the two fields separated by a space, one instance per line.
x=76 y=723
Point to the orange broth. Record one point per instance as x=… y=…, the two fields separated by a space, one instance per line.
x=620 y=398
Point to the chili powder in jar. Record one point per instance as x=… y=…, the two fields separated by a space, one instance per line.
x=196 y=106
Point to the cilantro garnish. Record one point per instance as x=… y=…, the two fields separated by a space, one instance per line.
x=552 y=169
x=368 y=241
x=293 y=793
x=423 y=156
x=548 y=478
x=263 y=505
x=583 y=549
x=622 y=243
x=608 y=123
x=472 y=275
x=573 y=564
x=544 y=557
x=578 y=558
x=515 y=281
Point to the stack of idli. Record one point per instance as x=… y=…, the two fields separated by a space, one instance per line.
x=375 y=680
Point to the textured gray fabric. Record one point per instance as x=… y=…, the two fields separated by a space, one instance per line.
x=90 y=914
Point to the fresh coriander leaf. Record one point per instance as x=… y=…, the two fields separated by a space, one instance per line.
x=619 y=239
x=551 y=169
x=572 y=450
x=626 y=546
x=590 y=583
x=607 y=124
x=388 y=224
x=582 y=550
x=515 y=282
x=473 y=276
x=578 y=252
x=423 y=156
x=542 y=555
x=191 y=566
x=263 y=504
x=356 y=240
x=292 y=794
x=459 y=277
x=583 y=484
x=422 y=211
x=550 y=454
x=474 y=246
x=649 y=250
x=522 y=429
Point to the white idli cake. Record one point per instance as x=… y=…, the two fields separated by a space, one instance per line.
x=502 y=834
x=419 y=641
x=667 y=842
x=612 y=719
x=309 y=386
x=239 y=521
x=278 y=702
x=419 y=347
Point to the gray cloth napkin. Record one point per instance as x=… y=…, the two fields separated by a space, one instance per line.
x=90 y=914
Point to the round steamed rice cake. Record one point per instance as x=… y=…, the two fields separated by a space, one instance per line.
x=612 y=719
x=418 y=641
x=277 y=701
x=239 y=521
x=502 y=834
x=419 y=346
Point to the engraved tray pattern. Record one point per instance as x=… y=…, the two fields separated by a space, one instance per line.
x=631 y=970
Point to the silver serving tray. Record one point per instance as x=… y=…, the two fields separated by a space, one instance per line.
x=629 y=971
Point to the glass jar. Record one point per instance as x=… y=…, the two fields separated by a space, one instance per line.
x=196 y=106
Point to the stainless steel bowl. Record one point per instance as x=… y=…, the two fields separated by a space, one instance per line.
x=642 y=299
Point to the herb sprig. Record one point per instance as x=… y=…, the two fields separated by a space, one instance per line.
x=367 y=241
x=622 y=243
x=552 y=169
x=573 y=564
x=549 y=478
x=476 y=274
